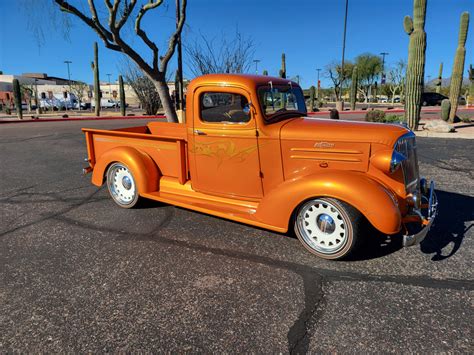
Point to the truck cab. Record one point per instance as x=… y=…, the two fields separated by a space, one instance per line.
x=248 y=152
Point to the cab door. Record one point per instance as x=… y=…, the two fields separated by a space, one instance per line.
x=225 y=147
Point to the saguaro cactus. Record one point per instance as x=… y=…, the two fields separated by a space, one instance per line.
x=440 y=78
x=415 y=28
x=354 y=84
x=471 y=87
x=283 y=66
x=312 y=95
x=17 y=97
x=458 y=66
x=95 y=69
x=445 y=108
x=122 y=96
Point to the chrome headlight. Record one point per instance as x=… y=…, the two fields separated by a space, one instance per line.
x=396 y=161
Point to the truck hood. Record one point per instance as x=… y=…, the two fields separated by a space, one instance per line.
x=326 y=130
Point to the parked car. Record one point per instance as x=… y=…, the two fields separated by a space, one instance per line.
x=432 y=99
x=84 y=105
x=244 y=156
x=106 y=103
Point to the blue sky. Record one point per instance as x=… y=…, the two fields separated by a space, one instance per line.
x=308 y=31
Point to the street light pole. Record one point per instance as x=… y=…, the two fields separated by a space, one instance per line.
x=256 y=61
x=38 y=108
x=317 y=84
x=110 y=87
x=344 y=47
x=68 y=77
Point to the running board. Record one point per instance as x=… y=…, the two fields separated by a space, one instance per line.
x=243 y=212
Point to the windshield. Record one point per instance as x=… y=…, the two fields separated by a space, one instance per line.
x=281 y=100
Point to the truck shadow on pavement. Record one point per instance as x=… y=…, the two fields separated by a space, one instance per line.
x=455 y=218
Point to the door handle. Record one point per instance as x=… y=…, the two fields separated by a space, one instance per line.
x=199 y=133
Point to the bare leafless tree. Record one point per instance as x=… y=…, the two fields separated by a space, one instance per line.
x=119 y=13
x=334 y=72
x=210 y=55
x=396 y=79
x=143 y=87
x=79 y=89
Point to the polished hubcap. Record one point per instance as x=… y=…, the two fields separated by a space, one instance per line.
x=322 y=226
x=325 y=223
x=121 y=184
x=126 y=182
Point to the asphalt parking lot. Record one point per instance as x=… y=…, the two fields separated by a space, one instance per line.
x=79 y=274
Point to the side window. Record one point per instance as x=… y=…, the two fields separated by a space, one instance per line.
x=224 y=107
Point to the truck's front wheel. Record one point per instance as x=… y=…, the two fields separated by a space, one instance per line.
x=122 y=186
x=328 y=227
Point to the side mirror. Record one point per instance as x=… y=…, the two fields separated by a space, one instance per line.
x=246 y=109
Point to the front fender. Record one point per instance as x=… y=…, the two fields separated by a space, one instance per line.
x=143 y=168
x=368 y=196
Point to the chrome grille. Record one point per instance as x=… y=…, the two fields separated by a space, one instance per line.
x=406 y=145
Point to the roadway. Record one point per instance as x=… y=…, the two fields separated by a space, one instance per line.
x=79 y=274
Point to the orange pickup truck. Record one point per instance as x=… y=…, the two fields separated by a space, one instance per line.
x=248 y=153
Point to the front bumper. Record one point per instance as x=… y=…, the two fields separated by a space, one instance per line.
x=430 y=208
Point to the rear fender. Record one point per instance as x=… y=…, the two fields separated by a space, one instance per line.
x=368 y=196
x=143 y=168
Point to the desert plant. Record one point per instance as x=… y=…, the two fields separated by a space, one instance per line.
x=445 y=108
x=471 y=87
x=439 y=81
x=312 y=95
x=375 y=116
x=458 y=66
x=415 y=28
x=394 y=119
x=333 y=114
x=79 y=89
x=369 y=67
x=354 y=88
x=95 y=69
x=122 y=96
x=222 y=54
x=283 y=66
x=143 y=87
x=17 y=97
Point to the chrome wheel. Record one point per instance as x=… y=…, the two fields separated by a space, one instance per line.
x=121 y=185
x=325 y=228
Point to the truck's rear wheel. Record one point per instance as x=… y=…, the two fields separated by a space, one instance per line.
x=328 y=227
x=122 y=186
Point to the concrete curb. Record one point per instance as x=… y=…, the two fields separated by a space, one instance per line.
x=428 y=134
x=87 y=118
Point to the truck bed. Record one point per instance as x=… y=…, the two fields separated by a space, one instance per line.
x=164 y=142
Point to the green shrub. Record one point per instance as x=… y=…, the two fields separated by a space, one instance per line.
x=380 y=117
x=375 y=116
x=394 y=119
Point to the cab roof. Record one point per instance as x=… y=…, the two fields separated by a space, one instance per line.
x=237 y=79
